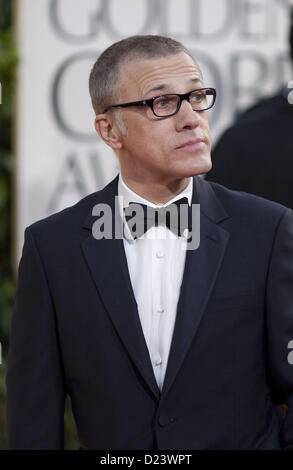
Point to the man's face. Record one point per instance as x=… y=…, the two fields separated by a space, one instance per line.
x=162 y=149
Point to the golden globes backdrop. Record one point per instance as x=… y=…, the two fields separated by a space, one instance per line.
x=241 y=46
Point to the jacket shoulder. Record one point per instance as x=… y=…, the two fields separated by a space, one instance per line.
x=73 y=216
x=246 y=204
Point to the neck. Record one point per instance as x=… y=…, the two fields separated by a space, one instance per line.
x=157 y=192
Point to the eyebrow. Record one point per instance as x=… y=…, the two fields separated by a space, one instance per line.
x=164 y=86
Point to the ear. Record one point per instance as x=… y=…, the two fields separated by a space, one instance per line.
x=108 y=131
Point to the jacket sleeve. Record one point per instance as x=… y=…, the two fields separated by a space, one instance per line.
x=35 y=382
x=280 y=324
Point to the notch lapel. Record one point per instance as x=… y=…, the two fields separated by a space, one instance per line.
x=107 y=262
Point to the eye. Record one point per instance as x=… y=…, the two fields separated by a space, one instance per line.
x=198 y=96
x=163 y=102
x=165 y=105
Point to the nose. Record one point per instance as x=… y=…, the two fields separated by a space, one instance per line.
x=186 y=117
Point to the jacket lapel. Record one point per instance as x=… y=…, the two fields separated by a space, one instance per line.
x=107 y=262
x=201 y=269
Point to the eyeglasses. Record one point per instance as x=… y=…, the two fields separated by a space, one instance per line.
x=169 y=104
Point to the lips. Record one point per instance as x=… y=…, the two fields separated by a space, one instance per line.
x=191 y=144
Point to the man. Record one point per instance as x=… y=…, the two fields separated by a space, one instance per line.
x=262 y=163
x=158 y=347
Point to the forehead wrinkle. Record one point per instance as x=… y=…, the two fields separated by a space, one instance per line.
x=147 y=82
x=141 y=75
x=165 y=86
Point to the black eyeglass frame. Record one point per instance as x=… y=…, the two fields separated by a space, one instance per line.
x=150 y=102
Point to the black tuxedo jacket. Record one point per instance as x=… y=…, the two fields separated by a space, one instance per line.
x=76 y=330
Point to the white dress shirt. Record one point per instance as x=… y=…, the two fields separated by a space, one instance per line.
x=156 y=263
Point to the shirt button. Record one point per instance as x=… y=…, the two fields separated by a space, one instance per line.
x=160 y=309
x=158 y=361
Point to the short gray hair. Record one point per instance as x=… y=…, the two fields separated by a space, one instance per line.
x=104 y=75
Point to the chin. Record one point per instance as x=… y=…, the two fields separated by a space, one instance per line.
x=199 y=167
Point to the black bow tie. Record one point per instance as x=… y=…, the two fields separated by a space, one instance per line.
x=174 y=216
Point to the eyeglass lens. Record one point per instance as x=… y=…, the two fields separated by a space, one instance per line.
x=199 y=100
